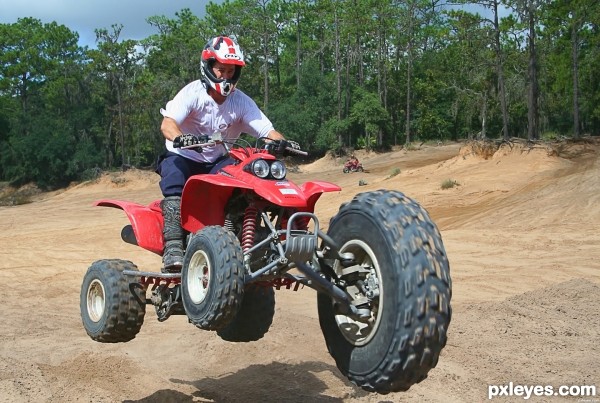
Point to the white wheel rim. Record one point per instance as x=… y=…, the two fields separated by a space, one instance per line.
x=355 y=332
x=96 y=300
x=198 y=276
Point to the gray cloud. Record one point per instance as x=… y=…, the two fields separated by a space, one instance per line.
x=84 y=16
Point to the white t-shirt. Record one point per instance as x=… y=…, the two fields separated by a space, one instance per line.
x=196 y=112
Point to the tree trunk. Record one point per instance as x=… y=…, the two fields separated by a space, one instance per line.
x=500 y=73
x=338 y=73
x=121 y=126
x=266 y=70
x=298 y=48
x=409 y=65
x=575 y=57
x=408 y=90
x=483 y=135
x=532 y=101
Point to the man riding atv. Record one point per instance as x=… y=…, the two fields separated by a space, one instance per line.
x=380 y=271
x=200 y=109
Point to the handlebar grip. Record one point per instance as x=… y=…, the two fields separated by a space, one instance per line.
x=209 y=143
x=296 y=151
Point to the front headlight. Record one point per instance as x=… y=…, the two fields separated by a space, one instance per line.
x=278 y=170
x=260 y=168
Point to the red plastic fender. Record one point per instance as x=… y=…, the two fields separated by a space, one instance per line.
x=313 y=190
x=204 y=198
x=147 y=222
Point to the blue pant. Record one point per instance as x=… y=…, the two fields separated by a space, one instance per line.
x=175 y=171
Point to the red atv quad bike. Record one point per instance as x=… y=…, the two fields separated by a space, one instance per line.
x=380 y=272
x=350 y=166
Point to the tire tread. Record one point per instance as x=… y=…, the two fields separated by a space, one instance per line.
x=424 y=292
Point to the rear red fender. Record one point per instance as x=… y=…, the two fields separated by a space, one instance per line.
x=147 y=222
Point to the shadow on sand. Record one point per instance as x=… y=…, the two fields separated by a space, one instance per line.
x=259 y=383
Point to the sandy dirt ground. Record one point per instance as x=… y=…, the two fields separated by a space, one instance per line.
x=520 y=227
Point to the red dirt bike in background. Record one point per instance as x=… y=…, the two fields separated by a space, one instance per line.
x=381 y=272
x=353 y=166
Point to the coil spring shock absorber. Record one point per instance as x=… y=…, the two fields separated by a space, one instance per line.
x=249 y=228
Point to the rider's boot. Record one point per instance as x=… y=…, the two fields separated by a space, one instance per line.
x=173 y=234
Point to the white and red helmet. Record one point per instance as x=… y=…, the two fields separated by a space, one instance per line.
x=226 y=51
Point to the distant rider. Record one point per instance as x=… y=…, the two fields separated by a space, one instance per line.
x=353 y=162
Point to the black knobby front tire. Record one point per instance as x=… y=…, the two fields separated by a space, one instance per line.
x=212 y=278
x=392 y=237
x=112 y=308
x=346 y=170
x=254 y=318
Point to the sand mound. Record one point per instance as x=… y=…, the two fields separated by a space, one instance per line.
x=117 y=182
x=322 y=164
x=494 y=150
x=132 y=178
x=562 y=307
x=545 y=323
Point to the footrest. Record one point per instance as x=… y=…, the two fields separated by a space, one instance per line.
x=301 y=245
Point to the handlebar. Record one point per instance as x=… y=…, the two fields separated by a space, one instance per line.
x=207 y=144
x=215 y=139
x=272 y=147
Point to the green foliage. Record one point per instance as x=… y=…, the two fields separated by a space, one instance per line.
x=395 y=172
x=368 y=112
x=330 y=75
x=330 y=133
x=410 y=147
x=366 y=142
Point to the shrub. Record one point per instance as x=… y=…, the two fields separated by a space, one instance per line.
x=396 y=171
x=449 y=184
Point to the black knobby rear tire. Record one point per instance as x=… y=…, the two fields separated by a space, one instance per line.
x=112 y=308
x=212 y=278
x=254 y=318
x=392 y=234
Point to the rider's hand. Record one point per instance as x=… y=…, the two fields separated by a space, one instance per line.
x=293 y=145
x=278 y=147
x=188 y=140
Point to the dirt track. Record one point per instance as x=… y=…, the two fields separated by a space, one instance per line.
x=521 y=231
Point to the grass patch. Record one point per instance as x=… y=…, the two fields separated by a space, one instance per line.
x=410 y=147
x=15 y=200
x=92 y=174
x=449 y=184
x=118 y=179
x=395 y=172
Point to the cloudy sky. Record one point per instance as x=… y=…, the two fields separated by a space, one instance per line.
x=84 y=16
